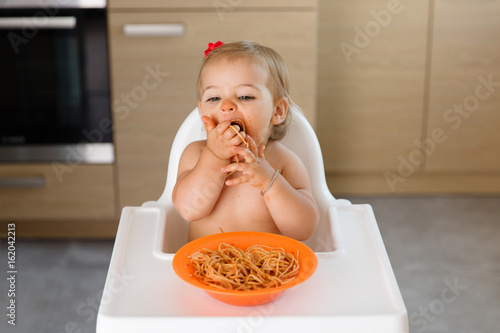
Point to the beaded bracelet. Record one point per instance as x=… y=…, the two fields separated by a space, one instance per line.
x=271 y=183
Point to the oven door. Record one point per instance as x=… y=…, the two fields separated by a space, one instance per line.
x=55 y=103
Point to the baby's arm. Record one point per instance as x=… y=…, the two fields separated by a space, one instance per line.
x=291 y=203
x=199 y=179
x=199 y=182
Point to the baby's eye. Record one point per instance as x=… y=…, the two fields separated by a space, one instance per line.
x=213 y=99
x=247 y=98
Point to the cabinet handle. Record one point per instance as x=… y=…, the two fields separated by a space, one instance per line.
x=60 y=22
x=22 y=182
x=154 y=30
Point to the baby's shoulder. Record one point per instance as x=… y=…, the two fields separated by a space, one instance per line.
x=291 y=166
x=195 y=146
x=279 y=149
x=281 y=154
x=192 y=152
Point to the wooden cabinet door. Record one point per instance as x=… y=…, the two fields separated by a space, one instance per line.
x=57 y=192
x=154 y=81
x=219 y=6
x=372 y=58
x=465 y=87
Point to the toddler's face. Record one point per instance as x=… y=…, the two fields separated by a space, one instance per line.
x=238 y=89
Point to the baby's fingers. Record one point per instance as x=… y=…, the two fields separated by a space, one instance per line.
x=229 y=170
x=247 y=155
x=261 y=152
x=209 y=123
x=252 y=146
x=238 y=180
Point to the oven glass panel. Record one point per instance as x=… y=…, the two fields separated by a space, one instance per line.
x=54 y=84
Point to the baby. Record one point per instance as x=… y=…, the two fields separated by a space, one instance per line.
x=241 y=178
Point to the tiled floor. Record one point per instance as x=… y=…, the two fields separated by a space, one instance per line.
x=445 y=252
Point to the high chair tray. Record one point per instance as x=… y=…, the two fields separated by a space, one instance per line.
x=352 y=290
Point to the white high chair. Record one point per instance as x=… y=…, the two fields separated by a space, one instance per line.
x=352 y=290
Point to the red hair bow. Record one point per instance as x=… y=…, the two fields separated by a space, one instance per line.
x=212 y=46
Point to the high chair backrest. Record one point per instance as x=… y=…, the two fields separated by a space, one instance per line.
x=300 y=138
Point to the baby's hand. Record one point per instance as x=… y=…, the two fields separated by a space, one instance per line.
x=254 y=168
x=221 y=138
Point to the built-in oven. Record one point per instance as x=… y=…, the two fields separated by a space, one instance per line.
x=54 y=82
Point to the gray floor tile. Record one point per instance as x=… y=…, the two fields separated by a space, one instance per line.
x=446 y=257
x=59 y=285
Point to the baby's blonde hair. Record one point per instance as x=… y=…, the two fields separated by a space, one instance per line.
x=271 y=62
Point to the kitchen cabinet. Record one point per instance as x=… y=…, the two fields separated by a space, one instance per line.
x=372 y=89
x=154 y=76
x=393 y=74
x=465 y=87
x=56 y=200
x=213 y=5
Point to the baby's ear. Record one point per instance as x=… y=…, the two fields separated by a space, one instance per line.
x=280 y=111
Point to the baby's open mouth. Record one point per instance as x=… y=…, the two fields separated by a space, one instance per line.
x=240 y=124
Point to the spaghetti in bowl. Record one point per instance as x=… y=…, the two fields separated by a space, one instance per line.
x=294 y=263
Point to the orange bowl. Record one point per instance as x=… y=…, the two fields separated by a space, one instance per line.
x=307 y=264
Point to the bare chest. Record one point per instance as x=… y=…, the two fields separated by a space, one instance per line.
x=242 y=201
x=239 y=208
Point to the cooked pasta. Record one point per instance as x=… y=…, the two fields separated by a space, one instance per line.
x=241 y=124
x=259 y=267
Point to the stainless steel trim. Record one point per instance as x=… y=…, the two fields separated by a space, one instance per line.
x=24 y=181
x=52 y=4
x=71 y=154
x=58 y=22
x=154 y=30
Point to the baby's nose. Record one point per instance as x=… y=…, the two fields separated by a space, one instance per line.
x=228 y=106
